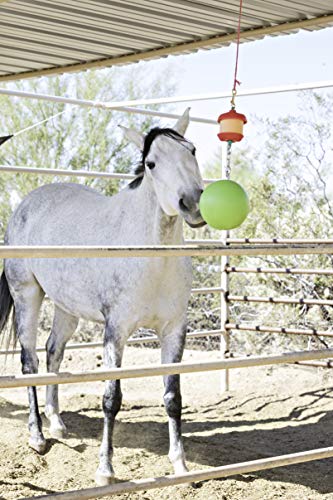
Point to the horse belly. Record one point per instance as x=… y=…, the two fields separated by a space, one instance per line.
x=81 y=287
x=144 y=292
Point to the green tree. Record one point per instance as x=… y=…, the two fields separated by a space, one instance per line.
x=288 y=178
x=80 y=138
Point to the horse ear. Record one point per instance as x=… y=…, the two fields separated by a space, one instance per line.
x=182 y=122
x=133 y=136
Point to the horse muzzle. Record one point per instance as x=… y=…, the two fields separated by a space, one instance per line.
x=194 y=220
x=189 y=209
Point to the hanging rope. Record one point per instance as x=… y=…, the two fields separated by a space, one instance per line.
x=237 y=82
x=234 y=89
x=6 y=138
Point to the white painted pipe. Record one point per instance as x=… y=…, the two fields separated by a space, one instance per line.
x=192 y=476
x=131 y=341
x=95 y=251
x=279 y=241
x=63 y=171
x=272 y=329
x=100 y=105
x=156 y=370
x=279 y=270
x=72 y=173
x=187 y=98
x=280 y=300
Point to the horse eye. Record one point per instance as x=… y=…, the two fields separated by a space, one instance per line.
x=193 y=151
x=150 y=164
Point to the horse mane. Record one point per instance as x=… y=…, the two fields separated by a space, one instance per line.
x=149 y=139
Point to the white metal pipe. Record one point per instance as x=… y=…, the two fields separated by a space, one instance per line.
x=315 y=364
x=272 y=329
x=227 y=94
x=186 y=98
x=95 y=251
x=295 y=244
x=131 y=341
x=192 y=476
x=67 y=172
x=206 y=241
x=280 y=300
x=279 y=270
x=101 y=105
x=279 y=241
x=216 y=289
x=72 y=173
x=11 y=381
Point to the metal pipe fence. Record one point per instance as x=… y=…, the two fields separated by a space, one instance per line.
x=279 y=270
x=192 y=476
x=279 y=300
x=200 y=248
x=11 y=381
x=102 y=251
x=283 y=330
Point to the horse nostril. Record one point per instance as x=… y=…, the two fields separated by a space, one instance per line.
x=183 y=205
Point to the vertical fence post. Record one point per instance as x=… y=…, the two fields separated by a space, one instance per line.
x=224 y=305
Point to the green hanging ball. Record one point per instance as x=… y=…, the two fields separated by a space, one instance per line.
x=224 y=205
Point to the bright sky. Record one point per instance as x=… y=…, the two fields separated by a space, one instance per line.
x=303 y=57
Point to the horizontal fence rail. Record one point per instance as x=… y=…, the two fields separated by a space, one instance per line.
x=270 y=329
x=156 y=370
x=109 y=106
x=186 y=98
x=316 y=364
x=280 y=241
x=73 y=173
x=132 y=341
x=193 y=476
x=278 y=270
x=63 y=171
x=208 y=290
x=279 y=300
x=95 y=251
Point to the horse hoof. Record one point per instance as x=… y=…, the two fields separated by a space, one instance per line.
x=57 y=427
x=39 y=445
x=104 y=479
x=58 y=432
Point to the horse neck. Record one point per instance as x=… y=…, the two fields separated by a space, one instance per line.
x=163 y=229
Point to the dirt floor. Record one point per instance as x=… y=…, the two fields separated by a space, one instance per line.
x=268 y=412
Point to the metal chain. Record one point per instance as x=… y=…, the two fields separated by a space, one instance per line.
x=228 y=162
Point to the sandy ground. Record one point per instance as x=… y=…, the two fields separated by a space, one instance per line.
x=268 y=412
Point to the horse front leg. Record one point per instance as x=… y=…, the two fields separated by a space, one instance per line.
x=172 y=351
x=114 y=343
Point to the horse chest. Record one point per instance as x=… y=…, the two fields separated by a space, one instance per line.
x=154 y=291
x=158 y=279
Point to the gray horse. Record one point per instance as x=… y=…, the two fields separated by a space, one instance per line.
x=124 y=294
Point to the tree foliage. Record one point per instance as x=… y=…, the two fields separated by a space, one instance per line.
x=288 y=176
x=80 y=138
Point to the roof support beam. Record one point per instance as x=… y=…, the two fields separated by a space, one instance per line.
x=321 y=21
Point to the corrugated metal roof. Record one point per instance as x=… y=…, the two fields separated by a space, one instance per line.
x=46 y=37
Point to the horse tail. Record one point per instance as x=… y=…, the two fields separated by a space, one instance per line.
x=6 y=302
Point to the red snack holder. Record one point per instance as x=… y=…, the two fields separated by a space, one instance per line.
x=231 y=126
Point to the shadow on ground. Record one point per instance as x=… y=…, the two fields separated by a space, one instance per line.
x=229 y=431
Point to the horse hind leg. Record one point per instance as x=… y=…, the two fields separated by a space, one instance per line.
x=63 y=328
x=27 y=300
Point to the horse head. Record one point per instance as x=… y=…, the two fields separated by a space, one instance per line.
x=169 y=164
